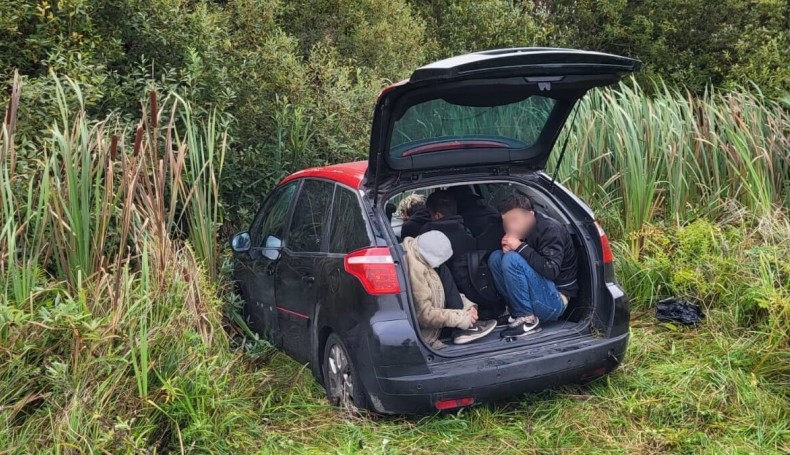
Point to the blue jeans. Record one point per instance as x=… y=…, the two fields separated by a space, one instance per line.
x=525 y=290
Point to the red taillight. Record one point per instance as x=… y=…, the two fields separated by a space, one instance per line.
x=607 y=250
x=375 y=269
x=455 y=403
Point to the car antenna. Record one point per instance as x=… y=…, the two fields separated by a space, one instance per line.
x=564 y=146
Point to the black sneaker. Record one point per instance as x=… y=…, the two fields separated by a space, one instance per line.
x=505 y=319
x=521 y=326
x=477 y=331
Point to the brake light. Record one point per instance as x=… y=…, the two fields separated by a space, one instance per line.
x=390 y=87
x=607 y=250
x=375 y=269
x=455 y=403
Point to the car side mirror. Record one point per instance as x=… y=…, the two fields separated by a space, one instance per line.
x=241 y=242
x=271 y=248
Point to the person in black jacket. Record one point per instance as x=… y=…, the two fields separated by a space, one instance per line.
x=414 y=214
x=477 y=214
x=535 y=271
x=467 y=263
x=443 y=211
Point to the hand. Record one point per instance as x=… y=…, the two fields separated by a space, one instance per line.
x=473 y=314
x=510 y=243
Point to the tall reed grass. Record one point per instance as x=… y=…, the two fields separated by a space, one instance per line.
x=105 y=244
x=677 y=157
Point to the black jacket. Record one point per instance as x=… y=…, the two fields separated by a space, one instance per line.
x=412 y=226
x=478 y=215
x=549 y=251
x=468 y=265
x=455 y=230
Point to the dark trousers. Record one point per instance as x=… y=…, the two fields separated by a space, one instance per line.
x=452 y=298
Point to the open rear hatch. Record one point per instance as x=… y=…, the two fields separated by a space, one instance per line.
x=492 y=109
x=495 y=107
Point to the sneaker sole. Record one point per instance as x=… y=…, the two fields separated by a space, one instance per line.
x=464 y=339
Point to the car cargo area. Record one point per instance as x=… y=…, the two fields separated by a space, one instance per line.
x=574 y=322
x=550 y=331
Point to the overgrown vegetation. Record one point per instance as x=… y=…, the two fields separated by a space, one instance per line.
x=177 y=115
x=275 y=69
x=676 y=157
x=104 y=309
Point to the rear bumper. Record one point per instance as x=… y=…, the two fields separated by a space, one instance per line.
x=497 y=376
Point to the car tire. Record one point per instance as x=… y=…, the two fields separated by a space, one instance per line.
x=341 y=381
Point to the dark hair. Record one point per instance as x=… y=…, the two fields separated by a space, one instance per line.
x=442 y=201
x=514 y=201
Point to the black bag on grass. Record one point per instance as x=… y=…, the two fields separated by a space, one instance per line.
x=680 y=311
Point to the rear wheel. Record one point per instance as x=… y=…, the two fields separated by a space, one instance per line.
x=341 y=380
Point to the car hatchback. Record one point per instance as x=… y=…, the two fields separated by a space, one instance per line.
x=322 y=271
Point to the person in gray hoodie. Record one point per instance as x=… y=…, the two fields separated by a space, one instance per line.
x=425 y=255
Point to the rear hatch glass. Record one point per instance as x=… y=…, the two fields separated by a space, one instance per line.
x=460 y=122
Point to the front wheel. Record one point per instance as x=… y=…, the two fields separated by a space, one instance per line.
x=341 y=380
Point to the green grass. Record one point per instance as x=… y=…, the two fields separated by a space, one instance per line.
x=721 y=387
x=679 y=390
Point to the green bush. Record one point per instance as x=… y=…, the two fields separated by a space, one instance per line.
x=737 y=270
x=461 y=26
x=295 y=82
x=384 y=37
x=733 y=267
x=687 y=43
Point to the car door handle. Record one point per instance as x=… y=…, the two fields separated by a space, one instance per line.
x=308 y=279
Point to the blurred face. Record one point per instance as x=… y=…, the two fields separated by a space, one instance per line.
x=518 y=222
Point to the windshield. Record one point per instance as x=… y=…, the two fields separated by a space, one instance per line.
x=513 y=125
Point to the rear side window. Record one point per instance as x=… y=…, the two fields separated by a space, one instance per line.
x=309 y=219
x=348 y=229
x=274 y=216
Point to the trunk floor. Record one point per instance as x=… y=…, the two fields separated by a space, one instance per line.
x=550 y=330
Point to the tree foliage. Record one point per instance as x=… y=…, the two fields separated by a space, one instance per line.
x=690 y=43
x=296 y=80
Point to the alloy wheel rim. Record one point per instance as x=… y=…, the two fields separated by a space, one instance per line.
x=340 y=383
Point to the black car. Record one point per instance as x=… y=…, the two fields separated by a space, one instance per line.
x=322 y=271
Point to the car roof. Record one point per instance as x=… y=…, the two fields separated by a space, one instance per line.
x=349 y=174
